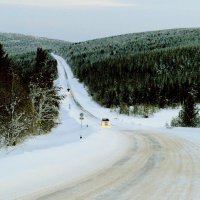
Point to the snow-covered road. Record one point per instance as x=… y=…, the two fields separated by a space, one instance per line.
x=124 y=162
x=155 y=166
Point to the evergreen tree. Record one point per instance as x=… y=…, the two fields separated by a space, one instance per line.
x=14 y=119
x=189 y=114
x=40 y=59
x=24 y=111
x=45 y=102
x=3 y=55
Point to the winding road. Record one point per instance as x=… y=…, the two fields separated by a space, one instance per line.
x=155 y=166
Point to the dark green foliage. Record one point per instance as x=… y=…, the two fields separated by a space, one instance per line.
x=150 y=68
x=45 y=103
x=18 y=112
x=16 y=44
x=45 y=67
x=29 y=63
x=5 y=77
x=157 y=78
x=14 y=102
x=100 y=49
x=33 y=64
x=3 y=55
x=188 y=116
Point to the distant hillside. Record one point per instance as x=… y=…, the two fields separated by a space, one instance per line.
x=158 y=68
x=20 y=44
x=99 y=49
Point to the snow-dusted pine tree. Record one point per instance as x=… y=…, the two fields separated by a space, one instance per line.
x=189 y=113
x=14 y=121
x=45 y=101
x=13 y=129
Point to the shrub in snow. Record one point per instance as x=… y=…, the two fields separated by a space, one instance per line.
x=45 y=103
x=188 y=116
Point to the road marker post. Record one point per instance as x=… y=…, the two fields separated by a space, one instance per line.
x=81 y=118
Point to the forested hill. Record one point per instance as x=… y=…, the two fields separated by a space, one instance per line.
x=159 y=69
x=99 y=49
x=16 y=44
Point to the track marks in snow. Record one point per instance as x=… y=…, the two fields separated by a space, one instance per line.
x=155 y=166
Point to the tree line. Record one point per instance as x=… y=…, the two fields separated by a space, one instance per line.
x=29 y=102
x=155 y=69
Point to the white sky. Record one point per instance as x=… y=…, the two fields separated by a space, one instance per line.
x=57 y=3
x=78 y=20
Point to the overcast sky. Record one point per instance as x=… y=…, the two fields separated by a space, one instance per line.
x=78 y=20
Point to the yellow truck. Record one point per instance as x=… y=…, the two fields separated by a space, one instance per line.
x=105 y=122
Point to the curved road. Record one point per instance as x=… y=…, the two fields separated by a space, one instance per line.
x=155 y=167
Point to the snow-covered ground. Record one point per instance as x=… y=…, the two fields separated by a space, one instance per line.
x=61 y=157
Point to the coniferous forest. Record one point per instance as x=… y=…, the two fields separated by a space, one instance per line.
x=29 y=101
x=158 y=69
x=159 y=77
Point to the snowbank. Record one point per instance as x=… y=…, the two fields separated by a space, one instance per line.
x=41 y=170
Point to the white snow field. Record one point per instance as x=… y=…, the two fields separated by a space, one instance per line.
x=135 y=158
